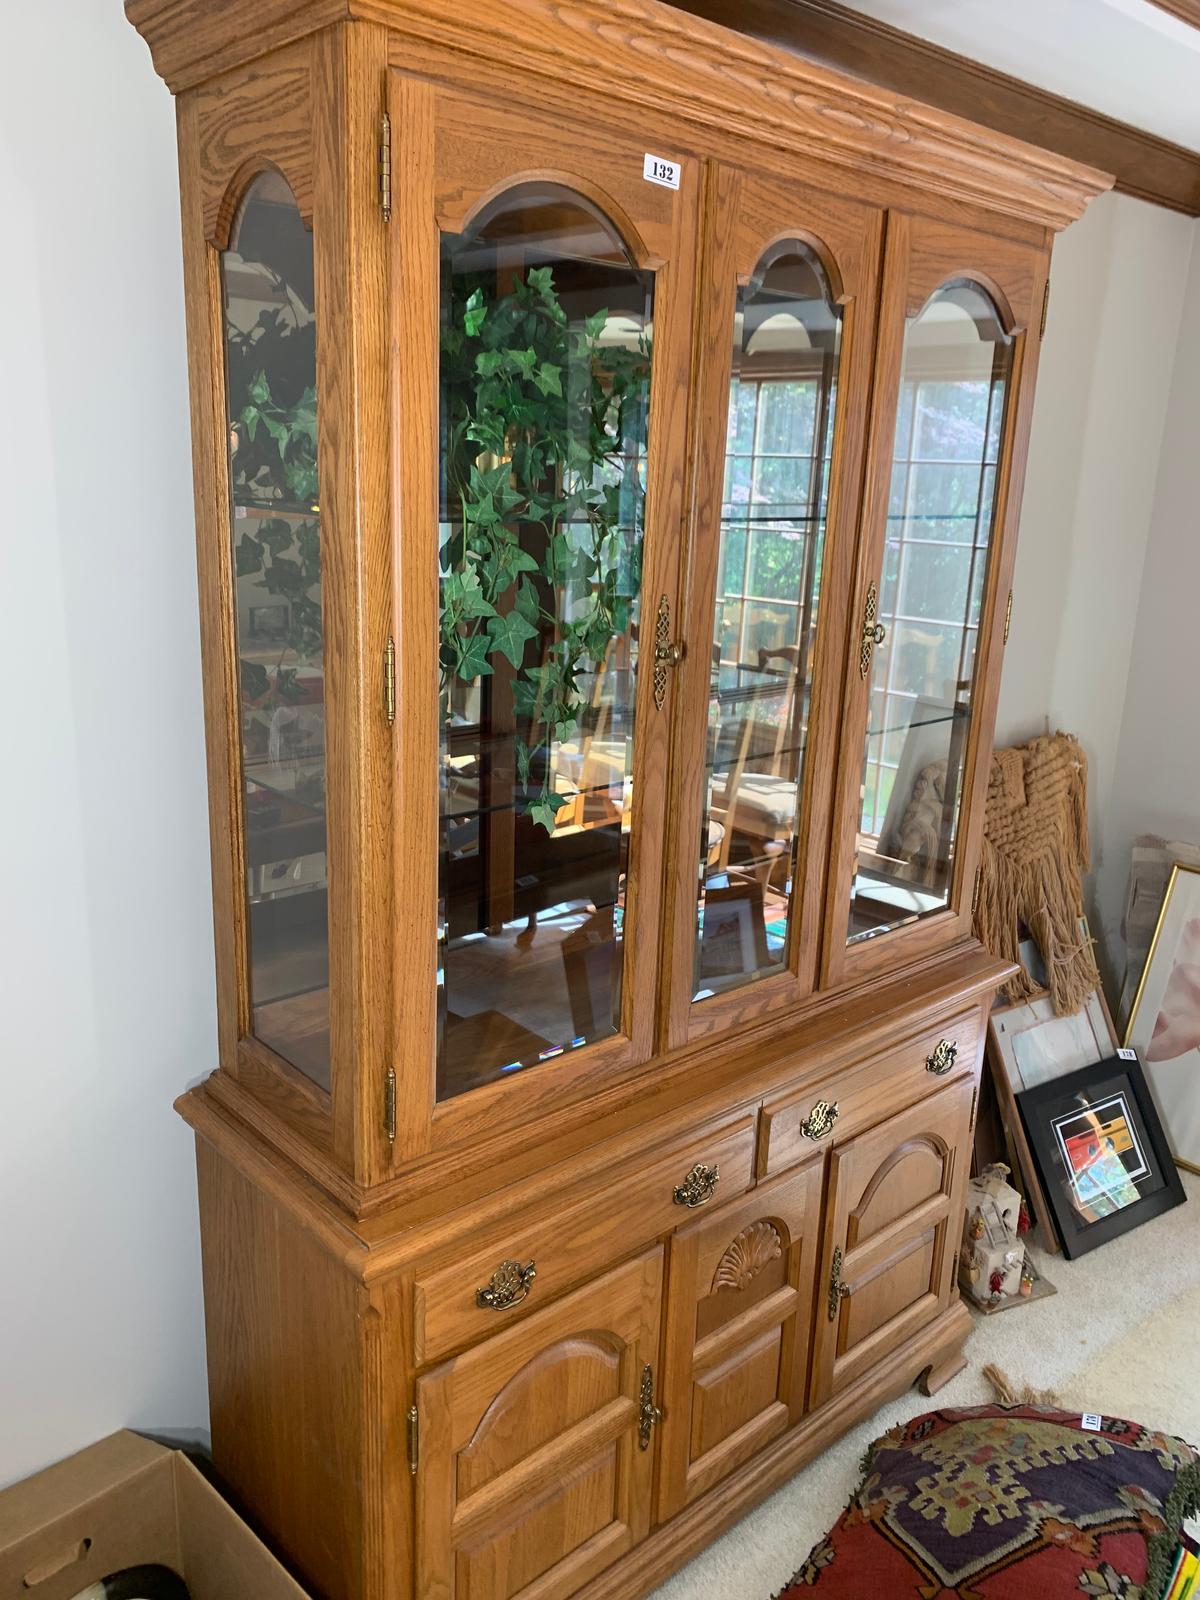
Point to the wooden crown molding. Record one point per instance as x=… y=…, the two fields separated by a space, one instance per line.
x=833 y=34
x=708 y=72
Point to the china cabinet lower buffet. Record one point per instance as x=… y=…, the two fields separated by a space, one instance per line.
x=608 y=440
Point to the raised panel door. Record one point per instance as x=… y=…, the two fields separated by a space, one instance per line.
x=739 y=1304
x=893 y=1210
x=535 y=1464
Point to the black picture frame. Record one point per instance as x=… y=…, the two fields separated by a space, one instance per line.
x=1102 y=1156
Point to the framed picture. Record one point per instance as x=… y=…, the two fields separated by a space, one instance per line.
x=733 y=935
x=1102 y=1156
x=269 y=622
x=1164 y=1023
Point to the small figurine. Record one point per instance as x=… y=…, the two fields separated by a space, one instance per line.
x=978 y=1226
x=992 y=1257
x=996 y=1286
x=1024 y=1221
x=1026 y=1284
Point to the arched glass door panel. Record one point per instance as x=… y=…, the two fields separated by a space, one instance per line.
x=271 y=378
x=546 y=327
x=779 y=442
x=920 y=637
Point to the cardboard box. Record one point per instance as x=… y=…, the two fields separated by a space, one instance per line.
x=128 y=1502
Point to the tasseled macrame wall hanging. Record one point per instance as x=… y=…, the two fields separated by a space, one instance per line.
x=1035 y=852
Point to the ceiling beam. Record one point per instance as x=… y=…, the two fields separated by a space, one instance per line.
x=1143 y=165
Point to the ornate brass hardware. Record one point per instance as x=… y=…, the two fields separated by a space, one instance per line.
x=509 y=1285
x=942 y=1059
x=666 y=653
x=1008 y=616
x=820 y=1120
x=389 y=1105
x=698 y=1187
x=838 y=1290
x=389 y=681
x=385 y=167
x=414 y=1440
x=873 y=631
x=648 y=1412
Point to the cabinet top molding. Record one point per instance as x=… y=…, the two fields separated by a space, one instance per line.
x=704 y=72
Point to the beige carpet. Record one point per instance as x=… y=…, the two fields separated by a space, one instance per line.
x=1119 y=1337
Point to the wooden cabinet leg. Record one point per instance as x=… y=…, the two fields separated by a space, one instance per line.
x=936 y=1377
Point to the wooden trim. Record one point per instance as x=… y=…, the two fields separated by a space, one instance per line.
x=1144 y=165
x=710 y=74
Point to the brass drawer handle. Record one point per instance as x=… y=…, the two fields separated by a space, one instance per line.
x=820 y=1120
x=838 y=1291
x=698 y=1187
x=943 y=1058
x=510 y=1283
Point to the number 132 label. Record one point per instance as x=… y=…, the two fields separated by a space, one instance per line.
x=655 y=169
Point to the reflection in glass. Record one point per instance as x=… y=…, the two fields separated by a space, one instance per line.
x=271 y=376
x=954 y=380
x=545 y=379
x=778 y=446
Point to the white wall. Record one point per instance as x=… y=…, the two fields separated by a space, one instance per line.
x=1157 y=783
x=105 y=923
x=1118 y=283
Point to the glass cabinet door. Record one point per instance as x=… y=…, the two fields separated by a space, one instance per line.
x=535 y=712
x=925 y=630
x=786 y=341
x=271 y=374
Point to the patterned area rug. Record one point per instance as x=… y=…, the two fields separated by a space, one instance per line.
x=1006 y=1504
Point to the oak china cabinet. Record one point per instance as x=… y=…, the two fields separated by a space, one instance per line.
x=608 y=439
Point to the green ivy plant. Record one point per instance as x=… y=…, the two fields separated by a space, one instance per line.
x=273 y=411
x=544 y=432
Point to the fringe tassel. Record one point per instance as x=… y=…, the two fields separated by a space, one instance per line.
x=1007 y=1394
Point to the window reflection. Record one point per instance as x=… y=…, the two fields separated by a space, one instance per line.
x=778 y=445
x=954 y=381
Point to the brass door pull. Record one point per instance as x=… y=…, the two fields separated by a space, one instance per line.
x=509 y=1285
x=668 y=653
x=648 y=1412
x=698 y=1188
x=820 y=1120
x=943 y=1058
x=838 y=1291
x=873 y=631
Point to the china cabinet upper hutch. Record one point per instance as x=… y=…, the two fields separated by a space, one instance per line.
x=608 y=438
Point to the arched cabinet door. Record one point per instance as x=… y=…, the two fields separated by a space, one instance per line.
x=894 y=1210
x=739 y=1318
x=535 y=1462
x=542 y=288
x=787 y=314
x=959 y=328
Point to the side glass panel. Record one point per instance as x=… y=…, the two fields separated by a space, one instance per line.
x=271 y=376
x=953 y=385
x=786 y=344
x=545 y=385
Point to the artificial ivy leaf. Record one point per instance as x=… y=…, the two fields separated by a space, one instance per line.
x=524 y=757
x=509 y=635
x=541 y=280
x=276 y=535
x=471 y=656
x=304 y=415
x=250 y=416
x=544 y=809
x=255 y=681
x=463 y=592
x=249 y=555
x=476 y=313
x=260 y=390
x=284 y=577
x=595 y=324
x=565 y=729
x=548 y=378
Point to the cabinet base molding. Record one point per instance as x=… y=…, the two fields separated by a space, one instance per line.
x=938 y=1377
x=673 y=1545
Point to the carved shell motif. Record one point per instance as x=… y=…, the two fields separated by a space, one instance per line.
x=753 y=1249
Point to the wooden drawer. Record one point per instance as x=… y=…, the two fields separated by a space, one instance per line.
x=572 y=1241
x=864 y=1095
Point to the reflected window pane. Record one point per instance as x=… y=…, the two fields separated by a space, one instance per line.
x=545 y=380
x=779 y=442
x=271 y=377
x=954 y=382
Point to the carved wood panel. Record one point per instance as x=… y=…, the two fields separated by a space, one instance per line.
x=895 y=1195
x=530 y=1468
x=738 y=1312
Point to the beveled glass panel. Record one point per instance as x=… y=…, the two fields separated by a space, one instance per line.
x=786 y=345
x=953 y=388
x=271 y=378
x=545 y=388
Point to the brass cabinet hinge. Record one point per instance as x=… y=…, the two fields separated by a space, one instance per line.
x=1008 y=616
x=414 y=1440
x=389 y=681
x=975 y=889
x=1045 y=310
x=385 y=166
x=389 y=1105
x=974 y=1108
